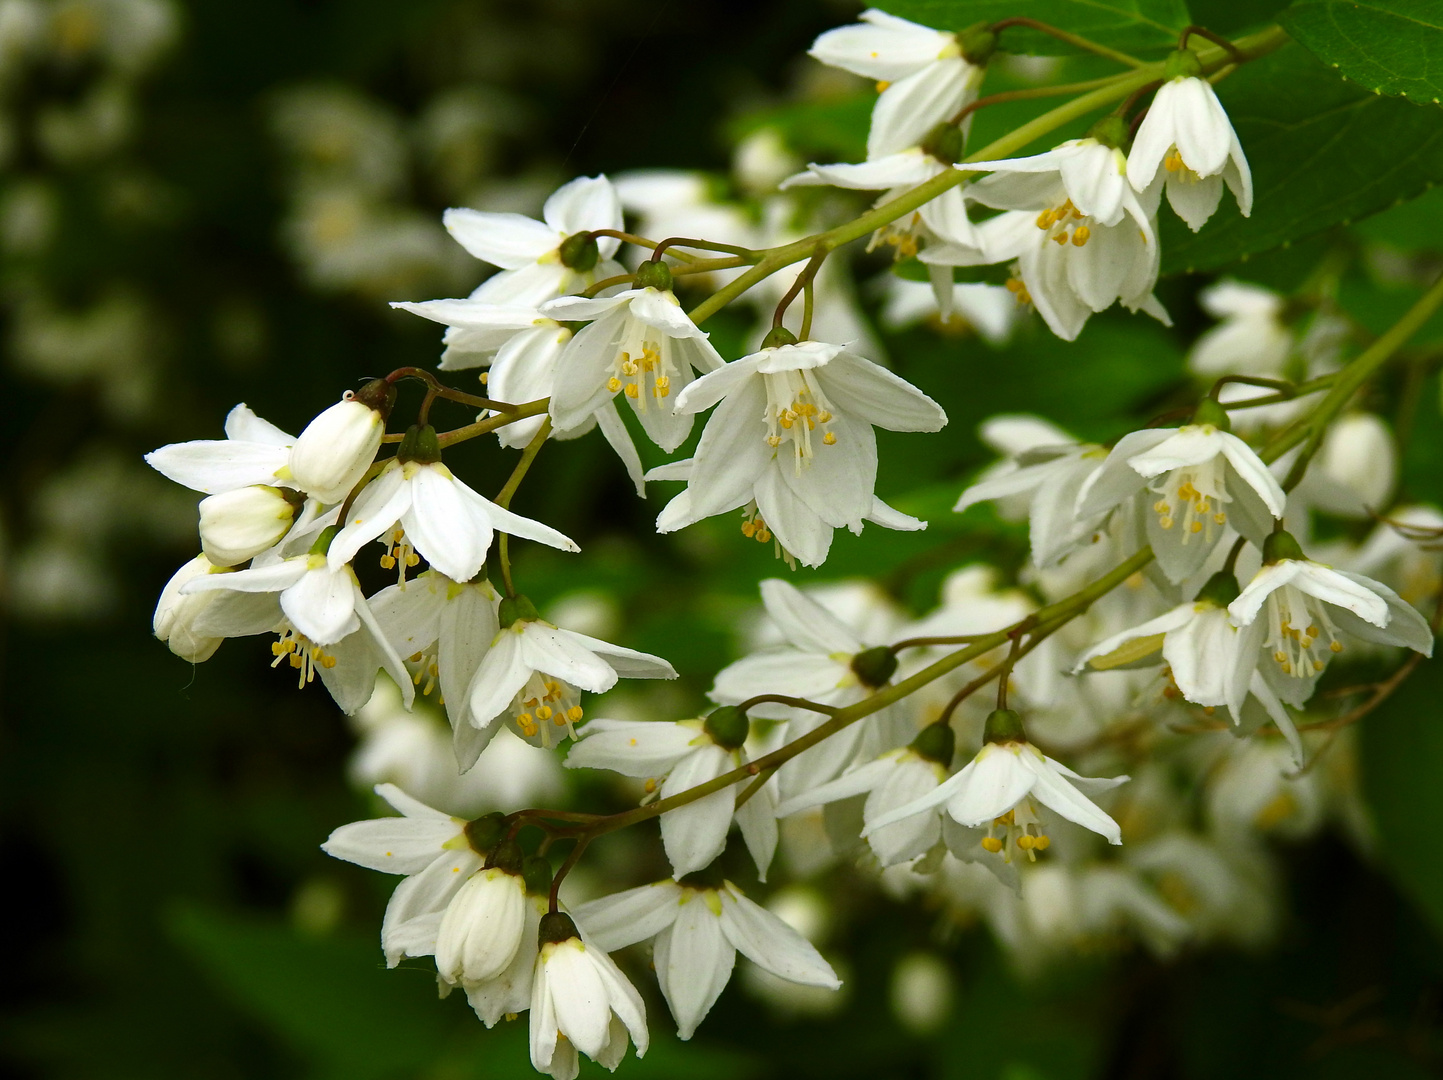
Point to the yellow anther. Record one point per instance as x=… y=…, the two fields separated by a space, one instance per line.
x=992 y=844
x=1220 y=518
x=1336 y=646
x=559 y=719
x=774 y=440
x=882 y=85
x=485 y=377
x=824 y=416
x=1287 y=668
x=1280 y=656
x=1161 y=506
x=830 y=439
x=1317 y=665
x=574 y=714
x=749 y=529
x=1061 y=239
x=1044 y=219
x=1041 y=843
x=1196 y=527
x=388 y=562
x=543 y=712
x=1312 y=630
x=631 y=390
x=613 y=384
x=649 y=786
x=1080 y=235
x=1164 y=522
x=1026 y=843
x=763 y=535
x=1013 y=285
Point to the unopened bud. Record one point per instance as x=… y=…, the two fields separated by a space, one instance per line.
x=238 y=525
x=338 y=446
x=935 y=742
x=485 y=832
x=1281 y=545
x=1182 y=64
x=579 y=252
x=653 y=275
x=518 y=608
x=1209 y=411
x=420 y=445
x=1003 y=725
x=728 y=727
x=1220 y=590
x=874 y=666
x=778 y=336
x=556 y=926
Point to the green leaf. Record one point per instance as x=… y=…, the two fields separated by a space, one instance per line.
x=1402 y=758
x=1386 y=46
x=1144 y=26
x=1322 y=152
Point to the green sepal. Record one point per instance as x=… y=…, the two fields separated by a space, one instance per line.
x=653 y=275
x=1211 y=412
x=936 y=742
x=556 y=926
x=978 y=43
x=778 y=336
x=420 y=444
x=1110 y=131
x=1220 y=590
x=579 y=252
x=874 y=666
x=322 y=545
x=516 y=608
x=1281 y=545
x=378 y=395
x=485 y=832
x=506 y=856
x=1004 y=725
x=944 y=142
x=536 y=872
x=1182 y=64
x=728 y=727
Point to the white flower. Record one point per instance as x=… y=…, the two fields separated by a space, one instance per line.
x=177 y=612
x=1188 y=133
x=432 y=849
x=685 y=754
x=989 y=310
x=1355 y=469
x=699 y=929
x=1000 y=789
x=1252 y=337
x=580 y=1001
x=419 y=505
x=239 y=524
x=816 y=662
x=328 y=627
x=482 y=927
x=533 y=255
x=794 y=434
x=642 y=345
x=444 y=627
x=337 y=447
x=1204 y=478
x=1048 y=469
x=1403 y=550
x=253 y=452
x=534 y=673
x=896 y=779
x=477 y=331
x=509 y=992
x=922 y=74
x=1082 y=237
x=1298 y=612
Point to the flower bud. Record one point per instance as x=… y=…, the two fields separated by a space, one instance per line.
x=944 y=142
x=238 y=525
x=337 y=447
x=176 y=612
x=482 y=927
x=875 y=666
x=653 y=275
x=728 y=727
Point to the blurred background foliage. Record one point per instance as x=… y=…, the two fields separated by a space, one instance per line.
x=203 y=203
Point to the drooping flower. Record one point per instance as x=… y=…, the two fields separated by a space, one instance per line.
x=682 y=755
x=895 y=779
x=546 y=258
x=337 y=447
x=419 y=505
x=1001 y=787
x=178 y=614
x=1187 y=133
x=1299 y=613
x=239 y=524
x=794 y=434
x=1252 y=336
x=699 y=927
x=254 y=451
x=1204 y=478
x=580 y=1001
x=641 y=345
x=924 y=76
x=534 y=673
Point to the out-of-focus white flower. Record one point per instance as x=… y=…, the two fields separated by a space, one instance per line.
x=682 y=755
x=921 y=992
x=699 y=928
x=990 y=310
x=1355 y=469
x=1187 y=132
x=1251 y=338
x=580 y=1001
x=537 y=261
x=1403 y=551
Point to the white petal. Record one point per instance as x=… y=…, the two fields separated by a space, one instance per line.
x=585 y=204
x=322 y=605
x=770 y=943
x=640 y=748
x=699 y=964
x=500 y=677
x=996 y=780
x=217 y=465
x=401 y=845
x=628 y=663
x=376 y=510
x=544 y=648
x=695 y=834
x=504 y=240
x=862 y=388
x=621 y=919
x=1057 y=794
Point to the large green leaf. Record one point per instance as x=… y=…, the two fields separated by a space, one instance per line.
x=1387 y=46
x=1322 y=151
x=1132 y=25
